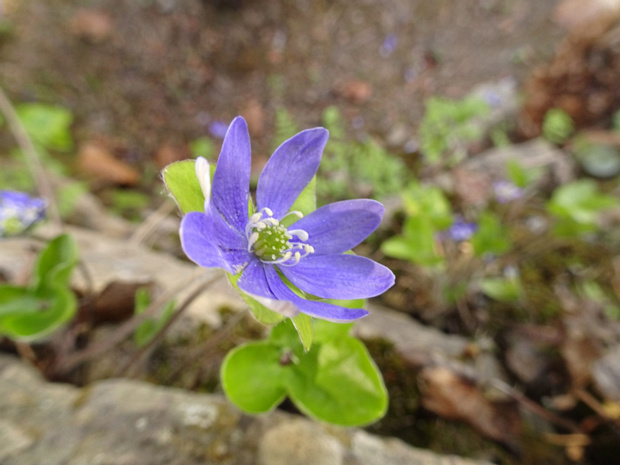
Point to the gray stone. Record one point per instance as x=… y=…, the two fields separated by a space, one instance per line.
x=299 y=442
x=371 y=450
x=123 y=422
x=537 y=153
x=606 y=374
x=409 y=336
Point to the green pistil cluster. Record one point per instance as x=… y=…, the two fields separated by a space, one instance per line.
x=272 y=242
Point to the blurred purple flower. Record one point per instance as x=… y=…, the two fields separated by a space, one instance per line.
x=388 y=46
x=492 y=98
x=461 y=230
x=506 y=191
x=218 y=129
x=19 y=211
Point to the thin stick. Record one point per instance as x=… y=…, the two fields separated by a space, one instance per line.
x=145 y=229
x=127 y=328
x=32 y=157
x=535 y=408
x=160 y=334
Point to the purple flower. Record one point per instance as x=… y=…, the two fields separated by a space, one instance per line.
x=506 y=191
x=19 y=211
x=388 y=46
x=218 y=129
x=461 y=230
x=274 y=243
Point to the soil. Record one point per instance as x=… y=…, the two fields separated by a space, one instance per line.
x=147 y=73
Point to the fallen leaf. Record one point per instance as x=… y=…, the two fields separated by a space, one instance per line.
x=169 y=153
x=254 y=115
x=452 y=396
x=92 y=25
x=97 y=162
x=354 y=90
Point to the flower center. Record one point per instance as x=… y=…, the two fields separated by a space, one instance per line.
x=271 y=242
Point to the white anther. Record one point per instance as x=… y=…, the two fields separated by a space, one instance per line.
x=300 y=233
x=298 y=214
x=252 y=240
x=255 y=217
x=203 y=173
x=260 y=225
x=273 y=221
x=268 y=211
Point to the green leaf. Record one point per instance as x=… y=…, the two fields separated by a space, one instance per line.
x=306 y=202
x=339 y=383
x=52 y=309
x=260 y=312
x=303 y=325
x=326 y=331
x=576 y=207
x=56 y=263
x=47 y=125
x=502 y=289
x=181 y=181
x=336 y=381
x=253 y=378
x=491 y=237
x=149 y=328
x=418 y=244
x=202 y=147
x=17 y=299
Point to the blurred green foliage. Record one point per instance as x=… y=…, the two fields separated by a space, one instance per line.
x=448 y=125
x=557 y=126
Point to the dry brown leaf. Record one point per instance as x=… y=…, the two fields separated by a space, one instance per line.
x=93 y=25
x=254 y=115
x=354 y=90
x=97 y=162
x=169 y=153
x=452 y=396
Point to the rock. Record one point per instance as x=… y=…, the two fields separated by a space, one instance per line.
x=299 y=442
x=606 y=374
x=371 y=450
x=477 y=174
x=409 y=336
x=124 y=422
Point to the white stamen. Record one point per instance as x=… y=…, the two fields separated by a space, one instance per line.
x=252 y=240
x=303 y=235
x=298 y=214
x=268 y=211
x=203 y=173
x=255 y=217
x=273 y=221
